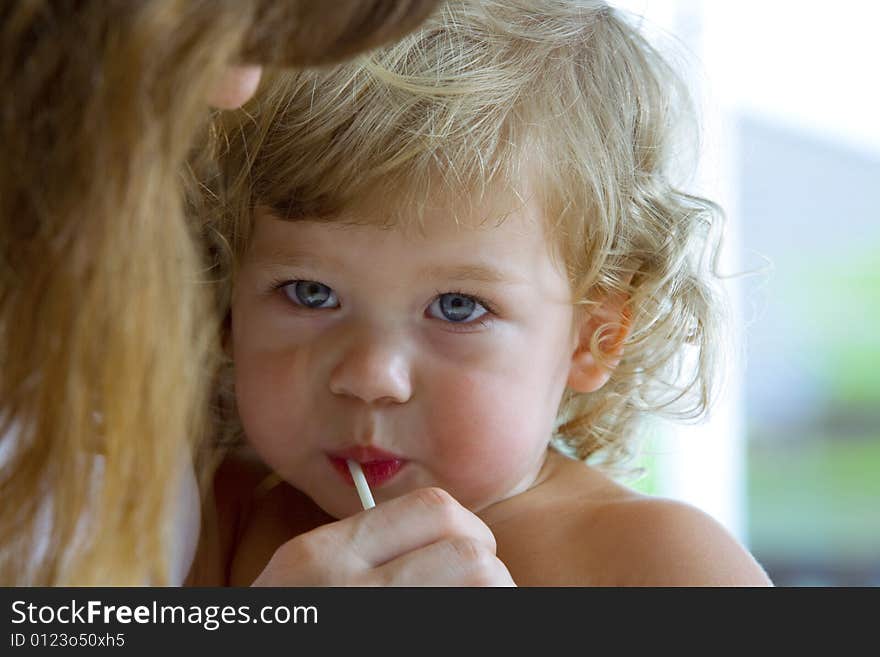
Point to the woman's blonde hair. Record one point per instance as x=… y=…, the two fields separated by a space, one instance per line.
x=107 y=336
x=564 y=92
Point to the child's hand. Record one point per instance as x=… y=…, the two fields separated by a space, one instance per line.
x=424 y=538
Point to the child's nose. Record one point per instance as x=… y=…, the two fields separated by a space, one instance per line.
x=374 y=369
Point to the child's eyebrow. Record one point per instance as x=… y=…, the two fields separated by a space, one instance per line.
x=469 y=272
x=479 y=273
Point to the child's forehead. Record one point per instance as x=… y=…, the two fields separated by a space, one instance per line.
x=433 y=215
x=428 y=220
x=425 y=211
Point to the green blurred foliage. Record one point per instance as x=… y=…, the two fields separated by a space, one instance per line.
x=815 y=498
x=838 y=302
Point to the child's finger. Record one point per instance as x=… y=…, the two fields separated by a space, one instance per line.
x=450 y=562
x=411 y=522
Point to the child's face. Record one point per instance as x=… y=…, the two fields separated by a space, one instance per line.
x=438 y=358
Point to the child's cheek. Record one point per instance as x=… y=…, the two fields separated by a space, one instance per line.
x=484 y=438
x=268 y=387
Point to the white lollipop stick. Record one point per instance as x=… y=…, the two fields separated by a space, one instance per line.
x=360 y=482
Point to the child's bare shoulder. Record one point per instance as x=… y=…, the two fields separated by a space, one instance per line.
x=647 y=541
x=582 y=528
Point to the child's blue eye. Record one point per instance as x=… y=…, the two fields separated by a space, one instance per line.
x=310 y=294
x=457 y=308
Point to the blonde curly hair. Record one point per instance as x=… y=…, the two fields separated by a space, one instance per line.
x=566 y=92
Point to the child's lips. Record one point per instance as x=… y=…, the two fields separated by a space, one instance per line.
x=378 y=466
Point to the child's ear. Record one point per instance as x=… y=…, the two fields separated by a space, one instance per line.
x=603 y=326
